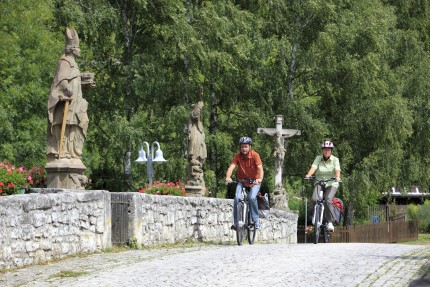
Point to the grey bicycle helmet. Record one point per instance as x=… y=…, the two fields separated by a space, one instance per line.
x=327 y=144
x=245 y=140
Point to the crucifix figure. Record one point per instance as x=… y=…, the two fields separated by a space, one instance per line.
x=280 y=198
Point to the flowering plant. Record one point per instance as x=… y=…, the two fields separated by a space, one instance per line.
x=37 y=177
x=11 y=178
x=165 y=188
x=309 y=230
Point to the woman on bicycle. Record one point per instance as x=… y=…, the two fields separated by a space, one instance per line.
x=249 y=166
x=326 y=166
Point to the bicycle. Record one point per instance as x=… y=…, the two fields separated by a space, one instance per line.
x=318 y=220
x=243 y=221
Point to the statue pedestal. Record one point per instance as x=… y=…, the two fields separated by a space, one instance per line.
x=280 y=199
x=66 y=174
x=195 y=191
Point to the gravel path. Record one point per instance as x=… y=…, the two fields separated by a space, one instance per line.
x=337 y=264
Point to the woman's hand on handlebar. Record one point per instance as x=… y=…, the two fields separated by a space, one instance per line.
x=337 y=179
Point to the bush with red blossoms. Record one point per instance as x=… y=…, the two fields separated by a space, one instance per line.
x=165 y=188
x=12 y=178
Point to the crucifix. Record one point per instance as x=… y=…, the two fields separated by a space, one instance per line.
x=279 y=154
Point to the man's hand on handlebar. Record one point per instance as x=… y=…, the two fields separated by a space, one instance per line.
x=228 y=180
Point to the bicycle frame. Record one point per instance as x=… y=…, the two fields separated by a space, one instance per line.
x=244 y=200
x=243 y=221
x=318 y=219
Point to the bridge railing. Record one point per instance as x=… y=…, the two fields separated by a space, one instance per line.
x=384 y=232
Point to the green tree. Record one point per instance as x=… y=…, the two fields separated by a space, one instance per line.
x=29 y=52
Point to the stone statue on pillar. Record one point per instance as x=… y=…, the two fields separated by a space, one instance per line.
x=197 y=152
x=279 y=197
x=67 y=119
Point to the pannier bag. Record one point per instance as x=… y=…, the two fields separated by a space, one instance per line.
x=263 y=205
x=338 y=209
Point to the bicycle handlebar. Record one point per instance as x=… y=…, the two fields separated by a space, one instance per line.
x=318 y=181
x=249 y=181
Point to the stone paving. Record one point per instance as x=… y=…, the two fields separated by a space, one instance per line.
x=337 y=264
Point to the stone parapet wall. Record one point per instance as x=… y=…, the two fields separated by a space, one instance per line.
x=157 y=220
x=51 y=224
x=39 y=227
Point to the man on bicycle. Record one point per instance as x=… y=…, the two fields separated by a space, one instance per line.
x=326 y=166
x=249 y=166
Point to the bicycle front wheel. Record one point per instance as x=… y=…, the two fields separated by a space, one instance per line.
x=250 y=226
x=240 y=225
x=326 y=235
x=317 y=227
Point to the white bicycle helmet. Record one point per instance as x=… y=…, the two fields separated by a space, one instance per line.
x=245 y=140
x=327 y=144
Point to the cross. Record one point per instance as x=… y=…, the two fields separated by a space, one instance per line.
x=280 y=150
x=285 y=133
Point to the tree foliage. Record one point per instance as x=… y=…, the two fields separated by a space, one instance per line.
x=355 y=72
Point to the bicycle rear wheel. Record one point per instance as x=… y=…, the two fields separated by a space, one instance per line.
x=317 y=227
x=250 y=226
x=240 y=225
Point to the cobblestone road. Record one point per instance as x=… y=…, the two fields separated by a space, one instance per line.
x=336 y=264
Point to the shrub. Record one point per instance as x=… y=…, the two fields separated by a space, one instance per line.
x=37 y=177
x=11 y=178
x=422 y=214
x=165 y=188
x=413 y=211
x=424 y=217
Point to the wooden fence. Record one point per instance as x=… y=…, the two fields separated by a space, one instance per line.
x=384 y=232
x=383 y=213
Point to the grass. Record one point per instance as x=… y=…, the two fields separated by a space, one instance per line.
x=423 y=239
x=68 y=274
